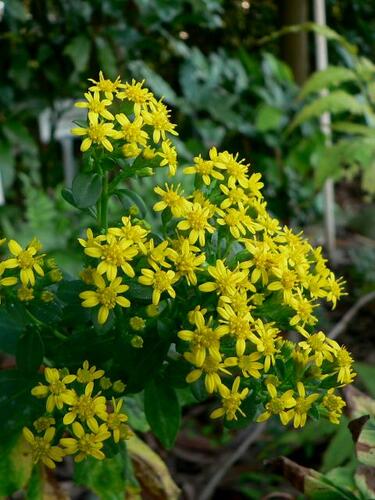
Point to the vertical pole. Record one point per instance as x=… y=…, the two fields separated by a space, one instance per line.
x=68 y=160
x=2 y=197
x=321 y=54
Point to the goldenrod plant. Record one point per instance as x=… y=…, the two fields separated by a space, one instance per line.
x=216 y=299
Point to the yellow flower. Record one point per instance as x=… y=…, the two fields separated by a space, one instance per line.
x=318 y=345
x=248 y=364
x=106 y=86
x=344 y=362
x=231 y=401
x=135 y=93
x=235 y=219
x=105 y=296
x=132 y=232
x=159 y=253
x=97 y=133
x=254 y=185
x=119 y=386
x=204 y=168
x=303 y=309
x=9 y=280
x=262 y=262
x=303 y=404
x=286 y=282
x=278 y=405
x=25 y=293
x=86 y=408
x=226 y=281
x=203 y=340
x=334 y=404
x=160 y=280
x=234 y=196
x=212 y=368
x=85 y=444
x=186 y=262
x=41 y=447
x=168 y=154
x=236 y=170
x=116 y=419
x=158 y=118
x=25 y=260
x=196 y=221
x=56 y=390
x=335 y=289
x=95 y=106
x=88 y=374
x=171 y=198
x=131 y=131
x=237 y=324
x=137 y=323
x=266 y=343
x=43 y=423
x=114 y=254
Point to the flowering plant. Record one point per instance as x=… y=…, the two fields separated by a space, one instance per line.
x=212 y=298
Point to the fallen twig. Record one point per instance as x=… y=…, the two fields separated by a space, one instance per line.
x=349 y=315
x=222 y=466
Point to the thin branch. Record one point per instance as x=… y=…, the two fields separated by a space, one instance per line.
x=223 y=466
x=342 y=325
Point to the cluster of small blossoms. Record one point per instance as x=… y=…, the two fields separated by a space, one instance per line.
x=79 y=419
x=239 y=285
x=27 y=273
x=127 y=118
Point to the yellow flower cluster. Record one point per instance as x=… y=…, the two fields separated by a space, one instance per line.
x=27 y=272
x=140 y=128
x=238 y=284
x=78 y=419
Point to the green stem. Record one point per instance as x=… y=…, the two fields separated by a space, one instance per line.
x=104 y=203
x=55 y=332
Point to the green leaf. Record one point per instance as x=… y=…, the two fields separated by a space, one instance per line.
x=68 y=196
x=30 y=352
x=341 y=441
x=329 y=77
x=320 y=29
x=106 y=57
x=268 y=118
x=353 y=129
x=17 y=406
x=86 y=189
x=139 y=292
x=162 y=411
x=330 y=161
x=10 y=330
x=134 y=407
x=7 y=171
x=154 y=81
x=15 y=464
x=106 y=478
x=79 y=52
x=366 y=373
x=337 y=101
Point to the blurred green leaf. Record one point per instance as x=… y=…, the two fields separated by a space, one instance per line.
x=329 y=77
x=86 y=189
x=30 y=352
x=106 y=478
x=268 y=118
x=15 y=464
x=162 y=411
x=79 y=52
